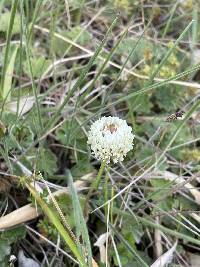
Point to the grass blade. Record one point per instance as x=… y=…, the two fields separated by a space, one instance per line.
x=8 y=40
x=79 y=220
x=170 y=51
x=82 y=76
x=150 y=223
x=7 y=85
x=56 y=222
x=141 y=262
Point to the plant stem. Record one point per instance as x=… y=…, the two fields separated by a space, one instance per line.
x=95 y=183
x=166 y=230
x=58 y=225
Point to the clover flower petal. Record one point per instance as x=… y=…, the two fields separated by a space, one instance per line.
x=110 y=138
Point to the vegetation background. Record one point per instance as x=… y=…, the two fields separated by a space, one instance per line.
x=64 y=64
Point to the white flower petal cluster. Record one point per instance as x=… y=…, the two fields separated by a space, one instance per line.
x=110 y=139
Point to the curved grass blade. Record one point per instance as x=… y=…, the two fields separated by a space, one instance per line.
x=56 y=222
x=80 y=223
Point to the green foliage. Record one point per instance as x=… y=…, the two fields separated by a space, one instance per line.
x=39 y=66
x=162 y=194
x=5 y=250
x=21 y=136
x=88 y=82
x=76 y=34
x=168 y=101
x=7 y=85
x=145 y=48
x=124 y=6
x=65 y=203
x=76 y=3
x=57 y=222
x=46 y=161
x=139 y=102
x=8 y=239
x=80 y=223
x=4 y=23
x=14 y=235
x=65 y=134
x=82 y=166
x=132 y=233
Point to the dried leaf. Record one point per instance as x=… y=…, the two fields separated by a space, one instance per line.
x=2 y=129
x=100 y=243
x=24 y=105
x=195 y=58
x=18 y=216
x=166 y=258
x=94 y=264
x=179 y=180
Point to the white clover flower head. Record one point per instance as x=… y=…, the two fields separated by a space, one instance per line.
x=110 y=139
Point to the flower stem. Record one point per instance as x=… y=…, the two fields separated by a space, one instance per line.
x=95 y=184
